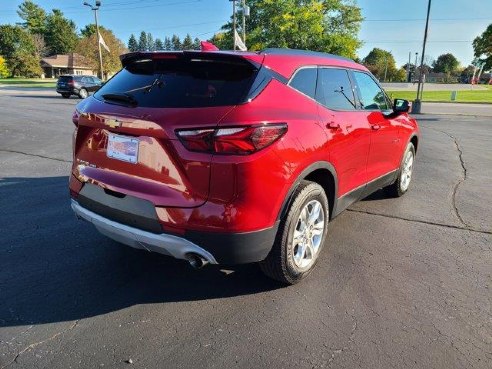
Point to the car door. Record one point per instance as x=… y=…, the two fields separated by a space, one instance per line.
x=348 y=132
x=385 y=147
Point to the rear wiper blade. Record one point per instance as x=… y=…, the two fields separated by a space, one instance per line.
x=120 y=97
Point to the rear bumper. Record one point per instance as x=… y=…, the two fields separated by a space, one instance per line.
x=216 y=248
x=162 y=243
x=67 y=90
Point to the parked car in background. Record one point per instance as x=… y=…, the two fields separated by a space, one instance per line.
x=236 y=157
x=78 y=85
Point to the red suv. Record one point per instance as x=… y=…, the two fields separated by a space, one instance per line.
x=236 y=157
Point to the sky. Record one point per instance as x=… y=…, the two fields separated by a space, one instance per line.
x=393 y=25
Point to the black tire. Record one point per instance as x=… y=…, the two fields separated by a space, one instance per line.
x=83 y=93
x=280 y=264
x=395 y=189
x=66 y=96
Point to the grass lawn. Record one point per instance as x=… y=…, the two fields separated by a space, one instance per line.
x=474 y=96
x=28 y=82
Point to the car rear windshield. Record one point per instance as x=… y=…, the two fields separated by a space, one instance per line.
x=65 y=78
x=181 y=82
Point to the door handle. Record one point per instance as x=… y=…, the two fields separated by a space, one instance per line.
x=375 y=127
x=332 y=125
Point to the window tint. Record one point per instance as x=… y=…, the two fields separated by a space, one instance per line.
x=305 y=81
x=372 y=97
x=183 y=82
x=64 y=79
x=334 y=89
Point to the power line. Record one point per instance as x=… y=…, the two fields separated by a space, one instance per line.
x=412 y=41
x=423 y=19
x=115 y=7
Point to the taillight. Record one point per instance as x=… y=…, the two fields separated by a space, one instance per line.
x=241 y=140
x=71 y=82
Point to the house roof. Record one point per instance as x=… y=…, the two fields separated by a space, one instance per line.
x=71 y=60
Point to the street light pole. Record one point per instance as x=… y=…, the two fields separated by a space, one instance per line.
x=95 y=8
x=417 y=105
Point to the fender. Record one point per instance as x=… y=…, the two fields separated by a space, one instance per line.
x=310 y=169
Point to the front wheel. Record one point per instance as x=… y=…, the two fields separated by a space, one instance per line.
x=402 y=183
x=300 y=237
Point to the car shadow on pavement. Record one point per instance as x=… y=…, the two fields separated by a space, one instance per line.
x=55 y=268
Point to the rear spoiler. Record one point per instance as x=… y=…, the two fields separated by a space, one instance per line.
x=129 y=58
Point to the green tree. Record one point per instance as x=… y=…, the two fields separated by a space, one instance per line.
x=187 y=43
x=60 y=35
x=482 y=47
x=150 y=42
x=176 y=42
x=90 y=30
x=142 y=41
x=34 y=17
x=381 y=63
x=158 y=45
x=322 y=25
x=87 y=47
x=446 y=63
x=19 y=50
x=132 y=43
x=168 y=45
x=196 y=44
x=4 y=70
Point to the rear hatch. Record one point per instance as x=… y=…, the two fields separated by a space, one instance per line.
x=64 y=83
x=126 y=140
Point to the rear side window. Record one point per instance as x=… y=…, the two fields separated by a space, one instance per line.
x=305 y=81
x=183 y=82
x=65 y=79
x=334 y=89
x=371 y=95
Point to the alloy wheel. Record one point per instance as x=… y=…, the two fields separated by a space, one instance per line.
x=308 y=234
x=406 y=173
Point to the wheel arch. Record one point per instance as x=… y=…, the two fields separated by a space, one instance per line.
x=325 y=175
x=414 y=139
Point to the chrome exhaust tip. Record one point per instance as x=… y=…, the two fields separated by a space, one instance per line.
x=196 y=261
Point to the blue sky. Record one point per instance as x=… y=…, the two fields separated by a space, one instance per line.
x=396 y=25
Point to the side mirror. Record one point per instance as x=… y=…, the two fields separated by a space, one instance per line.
x=401 y=106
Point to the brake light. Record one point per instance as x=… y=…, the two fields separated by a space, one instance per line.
x=232 y=140
x=71 y=82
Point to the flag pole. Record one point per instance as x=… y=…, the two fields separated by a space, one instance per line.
x=234 y=22
x=99 y=45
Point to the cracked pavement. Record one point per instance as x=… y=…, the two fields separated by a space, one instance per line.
x=401 y=282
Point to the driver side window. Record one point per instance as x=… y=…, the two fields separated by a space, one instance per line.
x=372 y=97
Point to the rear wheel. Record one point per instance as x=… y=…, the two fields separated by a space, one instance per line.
x=300 y=237
x=66 y=96
x=83 y=93
x=402 y=183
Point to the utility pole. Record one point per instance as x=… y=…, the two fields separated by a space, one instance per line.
x=95 y=8
x=415 y=65
x=417 y=104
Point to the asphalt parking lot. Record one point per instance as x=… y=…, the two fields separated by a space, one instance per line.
x=401 y=283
